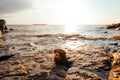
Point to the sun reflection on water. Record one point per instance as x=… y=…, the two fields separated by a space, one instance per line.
x=70 y=29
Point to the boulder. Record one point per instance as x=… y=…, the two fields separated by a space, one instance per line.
x=11 y=29
x=114 y=26
x=105 y=32
x=115 y=71
x=3 y=26
x=115 y=44
x=61 y=59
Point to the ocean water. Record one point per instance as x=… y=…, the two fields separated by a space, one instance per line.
x=83 y=30
x=89 y=30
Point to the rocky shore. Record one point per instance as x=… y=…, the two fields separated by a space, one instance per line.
x=114 y=26
x=31 y=57
x=115 y=68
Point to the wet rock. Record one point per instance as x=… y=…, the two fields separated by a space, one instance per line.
x=16 y=68
x=61 y=59
x=55 y=77
x=83 y=74
x=3 y=26
x=46 y=66
x=13 y=47
x=11 y=29
x=114 y=50
x=118 y=28
x=37 y=61
x=5 y=54
x=113 y=26
x=116 y=44
x=40 y=76
x=105 y=32
x=115 y=71
x=58 y=73
x=73 y=70
x=71 y=35
x=2 y=45
x=6 y=31
x=102 y=66
x=0 y=34
x=30 y=44
x=5 y=57
x=116 y=37
x=44 y=35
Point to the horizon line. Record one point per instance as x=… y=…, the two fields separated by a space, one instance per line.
x=60 y=24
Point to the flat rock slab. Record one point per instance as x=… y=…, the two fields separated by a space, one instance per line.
x=5 y=54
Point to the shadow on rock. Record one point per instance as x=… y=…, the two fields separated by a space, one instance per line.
x=59 y=71
x=56 y=73
x=5 y=54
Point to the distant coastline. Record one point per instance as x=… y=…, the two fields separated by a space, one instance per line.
x=41 y=24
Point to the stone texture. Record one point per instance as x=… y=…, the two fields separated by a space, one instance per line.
x=115 y=71
x=114 y=26
x=5 y=54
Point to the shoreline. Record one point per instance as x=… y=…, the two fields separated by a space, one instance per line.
x=33 y=56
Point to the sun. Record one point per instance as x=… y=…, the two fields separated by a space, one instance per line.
x=74 y=12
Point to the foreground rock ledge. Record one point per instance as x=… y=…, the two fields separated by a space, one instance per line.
x=5 y=54
x=115 y=70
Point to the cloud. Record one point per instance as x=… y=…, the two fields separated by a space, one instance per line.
x=12 y=6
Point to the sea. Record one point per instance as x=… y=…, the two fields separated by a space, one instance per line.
x=84 y=30
x=90 y=30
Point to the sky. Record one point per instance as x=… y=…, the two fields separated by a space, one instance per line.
x=60 y=11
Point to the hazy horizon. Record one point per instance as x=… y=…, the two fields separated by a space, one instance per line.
x=58 y=24
x=74 y=12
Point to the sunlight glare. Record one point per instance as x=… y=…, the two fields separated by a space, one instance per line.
x=74 y=12
x=70 y=28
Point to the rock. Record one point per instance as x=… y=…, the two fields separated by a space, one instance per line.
x=30 y=44
x=3 y=26
x=83 y=74
x=58 y=73
x=2 y=45
x=29 y=65
x=5 y=54
x=73 y=69
x=54 y=77
x=11 y=29
x=114 y=26
x=116 y=37
x=114 y=50
x=105 y=32
x=0 y=34
x=41 y=76
x=115 y=74
x=115 y=71
x=61 y=59
x=6 y=31
x=116 y=44
x=118 y=28
x=5 y=57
